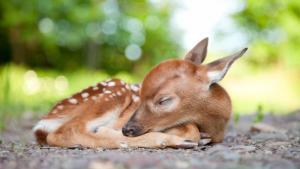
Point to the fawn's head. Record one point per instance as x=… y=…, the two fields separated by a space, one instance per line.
x=173 y=90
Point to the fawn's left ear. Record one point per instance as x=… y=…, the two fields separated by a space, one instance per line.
x=216 y=70
x=198 y=53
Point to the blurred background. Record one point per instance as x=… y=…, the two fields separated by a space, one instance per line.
x=50 y=49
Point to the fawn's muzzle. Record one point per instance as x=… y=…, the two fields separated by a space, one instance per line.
x=132 y=130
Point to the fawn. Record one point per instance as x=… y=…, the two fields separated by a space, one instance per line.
x=176 y=102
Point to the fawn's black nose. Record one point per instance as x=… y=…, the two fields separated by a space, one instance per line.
x=130 y=130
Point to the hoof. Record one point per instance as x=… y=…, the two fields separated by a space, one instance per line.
x=204 y=135
x=204 y=142
x=187 y=144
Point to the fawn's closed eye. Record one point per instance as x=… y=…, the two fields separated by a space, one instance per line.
x=164 y=100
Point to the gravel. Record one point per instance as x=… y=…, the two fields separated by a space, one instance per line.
x=241 y=149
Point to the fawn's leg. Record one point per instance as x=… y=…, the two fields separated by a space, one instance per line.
x=215 y=128
x=191 y=132
x=74 y=133
x=187 y=131
x=148 y=140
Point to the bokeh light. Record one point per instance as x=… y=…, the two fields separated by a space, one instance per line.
x=133 y=52
x=31 y=83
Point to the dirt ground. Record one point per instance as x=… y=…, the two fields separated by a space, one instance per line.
x=275 y=146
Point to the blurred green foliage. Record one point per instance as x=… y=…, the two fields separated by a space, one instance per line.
x=97 y=34
x=272 y=28
x=50 y=49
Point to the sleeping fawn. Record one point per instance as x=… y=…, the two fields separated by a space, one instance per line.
x=176 y=102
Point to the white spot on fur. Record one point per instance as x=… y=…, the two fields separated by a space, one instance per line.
x=135 y=98
x=111 y=83
x=85 y=100
x=122 y=82
x=107 y=120
x=73 y=101
x=95 y=88
x=103 y=83
x=127 y=86
x=119 y=93
x=110 y=96
x=94 y=97
x=106 y=99
x=100 y=94
x=60 y=107
x=134 y=88
x=85 y=95
x=107 y=91
x=114 y=94
x=123 y=89
x=49 y=125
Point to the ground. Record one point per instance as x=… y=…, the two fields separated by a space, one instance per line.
x=275 y=146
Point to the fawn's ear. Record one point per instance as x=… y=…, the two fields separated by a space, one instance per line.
x=198 y=53
x=216 y=70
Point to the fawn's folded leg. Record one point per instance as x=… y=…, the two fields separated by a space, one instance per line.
x=75 y=133
x=148 y=140
x=188 y=131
